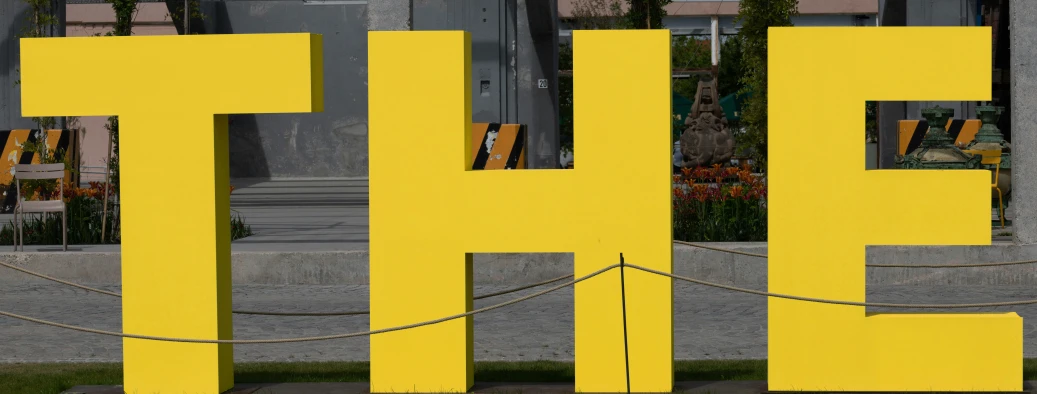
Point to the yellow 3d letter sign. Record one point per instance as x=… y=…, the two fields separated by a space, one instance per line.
x=429 y=215
x=819 y=81
x=175 y=282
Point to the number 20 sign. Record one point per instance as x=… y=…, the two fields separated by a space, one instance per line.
x=619 y=200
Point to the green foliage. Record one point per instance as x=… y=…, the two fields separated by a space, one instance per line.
x=871 y=131
x=565 y=98
x=730 y=79
x=113 y=163
x=597 y=15
x=755 y=17
x=178 y=11
x=84 y=225
x=689 y=52
x=124 y=10
x=46 y=155
x=640 y=10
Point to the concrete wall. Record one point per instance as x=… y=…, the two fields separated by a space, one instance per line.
x=332 y=143
x=1023 y=32
x=513 y=47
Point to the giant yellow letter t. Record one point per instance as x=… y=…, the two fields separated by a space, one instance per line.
x=428 y=213
x=825 y=208
x=171 y=94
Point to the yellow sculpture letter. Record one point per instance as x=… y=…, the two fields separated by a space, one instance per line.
x=175 y=245
x=819 y=81
x=428 y=213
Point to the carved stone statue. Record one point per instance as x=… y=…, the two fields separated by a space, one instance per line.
x=706 y=140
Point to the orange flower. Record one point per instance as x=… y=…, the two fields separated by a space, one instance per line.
x=686 y=171
x=232 y=188
x=699 y=192
x=736 y=191
x=731 y=171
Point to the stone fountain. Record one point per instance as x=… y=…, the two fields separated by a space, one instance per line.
x=989 y=137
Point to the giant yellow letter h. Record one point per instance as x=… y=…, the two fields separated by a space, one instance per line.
x=428 y=213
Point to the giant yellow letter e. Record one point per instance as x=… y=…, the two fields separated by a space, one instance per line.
x=428 y=213
x=175 y=243
x=819 y=81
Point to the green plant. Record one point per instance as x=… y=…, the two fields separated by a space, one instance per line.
x=565 y=98
x=755 y=17
x=871 y=131
x=177 y=15
x=719 y=205
x=597 y=15
x=238 y=228
x=640 y=11
x=689 y=52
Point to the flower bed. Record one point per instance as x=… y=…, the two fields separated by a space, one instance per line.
x=719 y=205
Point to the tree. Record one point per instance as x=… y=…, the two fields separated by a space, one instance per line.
x=730 y=79
x=689 y=52
x=597 y=15
x=642 y=10
x=755 y=17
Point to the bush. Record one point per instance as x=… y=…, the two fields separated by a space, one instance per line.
x=85 y=213
x=719 y=205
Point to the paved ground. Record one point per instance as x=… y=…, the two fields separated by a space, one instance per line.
x=709 y=323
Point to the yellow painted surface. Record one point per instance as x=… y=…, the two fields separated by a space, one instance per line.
x=424 y=230
x=819 y=78
x=175 y=240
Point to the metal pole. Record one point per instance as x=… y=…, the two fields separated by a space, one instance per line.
x=107 y=169
x=187 y=16
x=623 y=295
x=714 y=39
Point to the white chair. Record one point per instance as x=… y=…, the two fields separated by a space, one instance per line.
x=39 y=171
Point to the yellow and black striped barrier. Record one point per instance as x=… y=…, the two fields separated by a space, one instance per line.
x=498 y=146
x=66 y=140
x=911 y=132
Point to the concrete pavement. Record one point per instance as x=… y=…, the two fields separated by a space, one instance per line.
x=709 y=323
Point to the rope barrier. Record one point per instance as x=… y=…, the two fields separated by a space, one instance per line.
x=997 y=264
x=307 y=339
x=262 y=313
x=534 y=295
x=824 y=301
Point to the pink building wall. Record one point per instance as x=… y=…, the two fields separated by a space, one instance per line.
x=93 y=19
